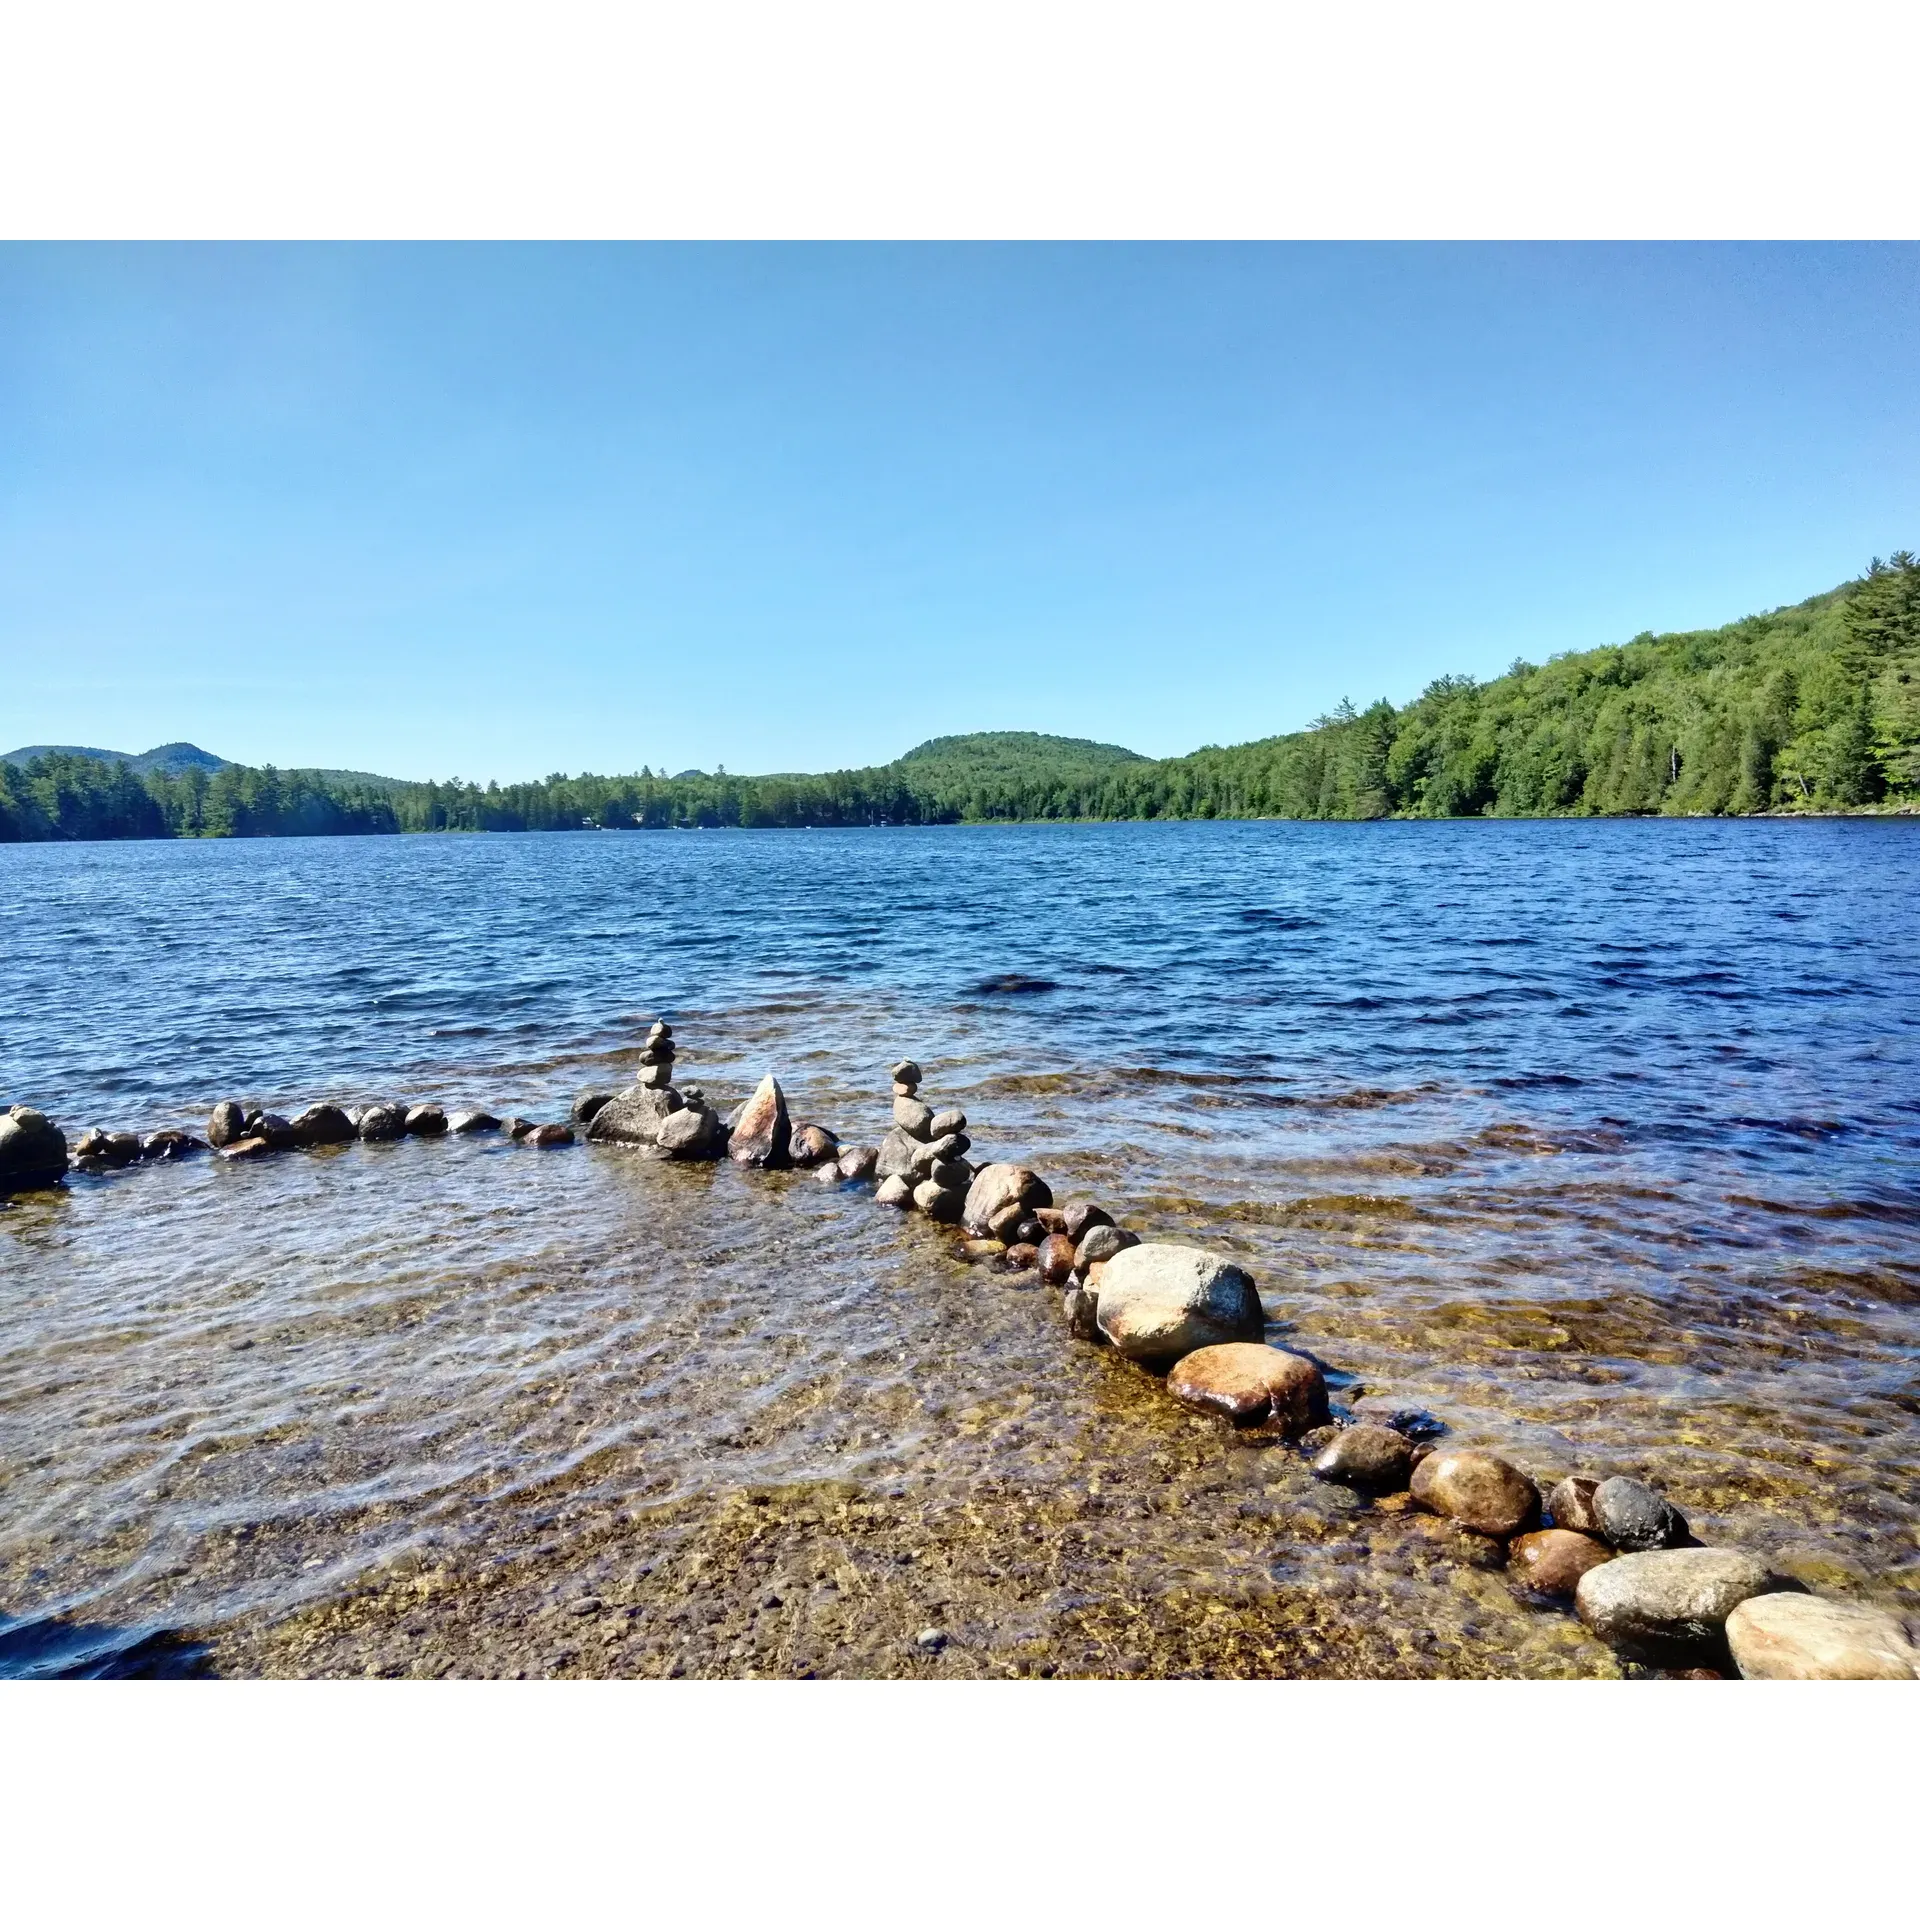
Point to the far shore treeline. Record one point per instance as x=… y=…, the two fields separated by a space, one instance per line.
x=1812 y=708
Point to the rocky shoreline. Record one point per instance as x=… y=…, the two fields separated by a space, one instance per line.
x=1612 y=1552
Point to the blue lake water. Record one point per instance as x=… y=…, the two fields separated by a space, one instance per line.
x=1598 y=1139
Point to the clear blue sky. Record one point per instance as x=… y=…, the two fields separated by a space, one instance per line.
x=499 y=512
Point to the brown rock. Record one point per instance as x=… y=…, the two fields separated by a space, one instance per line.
x=985 y=1249
x=1054 y=1219
x=810 y=1145
x=1006 y=1222
x=1802 y=1636
x=1056 y=1259
x=248 y=1147
x=1373 y=1458
x=1023 y=1255
x=1478 y=1491
x=761 y=1133
x=170 y=1143
x=1552 y=1562
x=1082 y=1214
x=857 y=1163
x=553 y=1134
x=1252 y=1385
x=1004 y=1184
x=1570 y=1504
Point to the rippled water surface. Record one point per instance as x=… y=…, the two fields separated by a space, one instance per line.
x=1597 y=1140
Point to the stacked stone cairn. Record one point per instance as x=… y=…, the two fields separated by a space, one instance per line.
x=663 y=1121
x=922 y=1163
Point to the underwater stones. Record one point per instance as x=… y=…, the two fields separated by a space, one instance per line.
x=858 y=1163
x=893 y=1191
x=1801 y=1636
x=1570 y=1504
x=33 y=1151
x=226 y=1123
x=1161 y=1300
x=1553 y=1562
x=1477 y=1491
x=1023 y=1257
x=811 y=1145
x=427 y=1120
x=1252 y=1385
x=1668 y=1604
x=634 y=1118
x=472 y=1120
x=321 y=1125
x=519 y=1127
x=1003 y=1185
x=762 y=1131
x=1056 y=1259
x=553 y=1134
x=914 y=1117
x=1079 y=1215
x=587 y=1104
x=1636 y=1519
x=250 y=1146
x=1375 y=1459
x=938 y=1202
x=1416 y=1423
x=693 y=1133
x=382 y=1121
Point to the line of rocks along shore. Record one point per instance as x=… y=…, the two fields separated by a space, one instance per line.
x=1614 y=1548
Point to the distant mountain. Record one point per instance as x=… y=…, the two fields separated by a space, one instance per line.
x=176 y=757
x=1014 y=753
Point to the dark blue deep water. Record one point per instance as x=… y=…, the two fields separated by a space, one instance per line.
x=1600 y=1139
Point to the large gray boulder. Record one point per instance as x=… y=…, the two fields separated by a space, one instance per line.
x=1801 y=1636
x=634 y=1118
x=1669 y=1603
x=693 y=1133
x=1161 y=1300
x=33 y=1151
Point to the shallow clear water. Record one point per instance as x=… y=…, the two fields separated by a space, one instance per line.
x=1598 y=1140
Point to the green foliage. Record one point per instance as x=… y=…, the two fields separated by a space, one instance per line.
x=1807 y=708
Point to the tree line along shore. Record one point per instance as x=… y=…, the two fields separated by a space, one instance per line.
x=1812 y=708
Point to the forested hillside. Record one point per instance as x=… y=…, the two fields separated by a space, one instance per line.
x=1807 y=709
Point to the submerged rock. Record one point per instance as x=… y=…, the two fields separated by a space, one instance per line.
x=1252 y=1385
x=1478 y=1491
x=250 y=1146
x=226 y=1123
x=1081 y=1305
x=1801 y=1636
x=170 y=1143
x=1636 y=1519
x=1668 y=1605
x=473 y=1120
x=1001 y=1185
x=810 y=1145
x=1162 y=1300
x=1552 y=1563
x=553 y=1134
x=383 y=1121
x=1376 y=1459
x=762 y=1131
x=322 y=1125
x=1570 y=1504
x=634 y=1118
x=33 y=1151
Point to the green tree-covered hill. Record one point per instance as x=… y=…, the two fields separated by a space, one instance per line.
x=1811 y=708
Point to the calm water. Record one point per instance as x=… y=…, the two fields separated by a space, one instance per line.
x=1598 y=1140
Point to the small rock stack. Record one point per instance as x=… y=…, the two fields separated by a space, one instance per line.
x=922 y=1162
x=665 y=1122
x=656 y=1057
